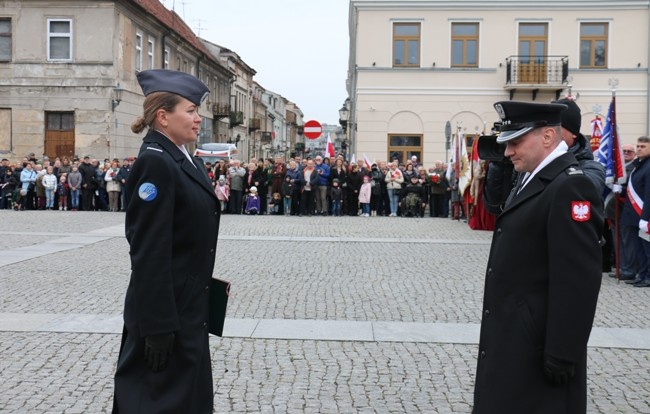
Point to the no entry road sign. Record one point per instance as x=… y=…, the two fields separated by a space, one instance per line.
x=313 y=129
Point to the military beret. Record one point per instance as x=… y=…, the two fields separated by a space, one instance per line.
x=519 y=118
x=179 y=83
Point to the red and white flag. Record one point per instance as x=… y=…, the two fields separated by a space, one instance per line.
x=367 y=161
x=329 y=151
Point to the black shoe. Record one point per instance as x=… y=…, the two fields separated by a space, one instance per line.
x=626 y=277
x=633 y=281
x=644 y=283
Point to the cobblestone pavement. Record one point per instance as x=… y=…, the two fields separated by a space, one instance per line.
x=309 y=268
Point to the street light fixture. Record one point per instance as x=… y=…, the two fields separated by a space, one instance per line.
x=117 y=96
x=344 y=115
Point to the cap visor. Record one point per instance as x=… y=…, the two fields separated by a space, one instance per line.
x=506 y=136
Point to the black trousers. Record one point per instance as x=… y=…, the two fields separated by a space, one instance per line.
x=307 y=201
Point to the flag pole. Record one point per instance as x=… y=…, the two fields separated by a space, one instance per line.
x=617 y=244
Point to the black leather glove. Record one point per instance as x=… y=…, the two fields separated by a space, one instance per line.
x=157 y=349
x=556 y=371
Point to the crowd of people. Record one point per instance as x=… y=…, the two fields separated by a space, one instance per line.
x=299 y=187
x=335 y=187
x=64 y=184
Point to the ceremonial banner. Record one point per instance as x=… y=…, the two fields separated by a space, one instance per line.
x=596 y=132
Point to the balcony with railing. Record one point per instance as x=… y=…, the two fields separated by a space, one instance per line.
x=236 y=118
x=220 y=110
x=536 y=73
x=254 y=124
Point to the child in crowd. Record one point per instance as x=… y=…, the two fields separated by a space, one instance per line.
x=287 y=191
x=276 y=204
x=49 y=183
x=364 y=196
x=222 y=191
x=252 y=202
x=336 y=195
x=63 y=190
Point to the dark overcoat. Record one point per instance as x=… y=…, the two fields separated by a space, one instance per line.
x=172 y=223
x=541 y=289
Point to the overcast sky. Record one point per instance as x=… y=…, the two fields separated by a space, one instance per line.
x=299 y=48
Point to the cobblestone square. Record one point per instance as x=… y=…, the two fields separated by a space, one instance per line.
x=63 y=268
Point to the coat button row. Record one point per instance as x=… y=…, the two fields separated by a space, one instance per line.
x=489 y=271
x=205 y=324
x=487 y=312
x=482 y=354
x=211 y=250
x=499 y=230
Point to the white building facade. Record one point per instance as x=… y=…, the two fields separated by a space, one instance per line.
x=417 y=66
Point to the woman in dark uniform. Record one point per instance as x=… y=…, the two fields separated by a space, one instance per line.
x=172 y=224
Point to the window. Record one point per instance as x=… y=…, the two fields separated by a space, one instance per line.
x=593 y=45
x=406 y=44
x=150 y=55
x=166 y=59
x=138 y=52
x=464 y=45
x=5 y=40
x=59 y=40
x=403 y=147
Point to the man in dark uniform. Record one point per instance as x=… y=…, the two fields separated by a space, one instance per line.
x=543 y=274
x=636 y=211
x=172 y=223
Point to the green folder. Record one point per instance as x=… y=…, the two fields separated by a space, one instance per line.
x=219 y=292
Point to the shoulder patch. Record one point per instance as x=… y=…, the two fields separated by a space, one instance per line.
x=147 y=192
x=155 y=149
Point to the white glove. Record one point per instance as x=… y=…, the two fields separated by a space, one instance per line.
x=643 y=226
x=617 y=188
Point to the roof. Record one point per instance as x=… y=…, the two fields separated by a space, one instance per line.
x=174 y=22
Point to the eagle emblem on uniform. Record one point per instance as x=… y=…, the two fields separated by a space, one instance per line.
x=580 y=210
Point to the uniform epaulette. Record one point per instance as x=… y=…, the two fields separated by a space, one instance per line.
x=154 y=148
x=574 y=171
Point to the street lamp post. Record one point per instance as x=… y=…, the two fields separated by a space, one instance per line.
x=344 y=116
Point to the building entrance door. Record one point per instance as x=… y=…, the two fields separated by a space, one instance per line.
x=59 y=134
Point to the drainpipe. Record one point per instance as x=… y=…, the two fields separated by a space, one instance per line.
x=647 y=120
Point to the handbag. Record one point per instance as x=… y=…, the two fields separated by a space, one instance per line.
x=218 y=302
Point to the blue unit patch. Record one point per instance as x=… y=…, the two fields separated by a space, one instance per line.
x=147 y=192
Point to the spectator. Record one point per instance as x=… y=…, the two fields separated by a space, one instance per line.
x=63 y=191
x=394 y=180
x=122 y=177
x=320 y=192
x=365 y=195
x=49 y=183
x=355 y=179
x=222 y=191
x=237 y=176
x=294 y=173
x=113 y=186
x=75 y=181
x=309 y=180
x=287 y=194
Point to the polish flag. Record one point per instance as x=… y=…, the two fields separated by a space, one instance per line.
x=367 y=161
x=329 y=152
